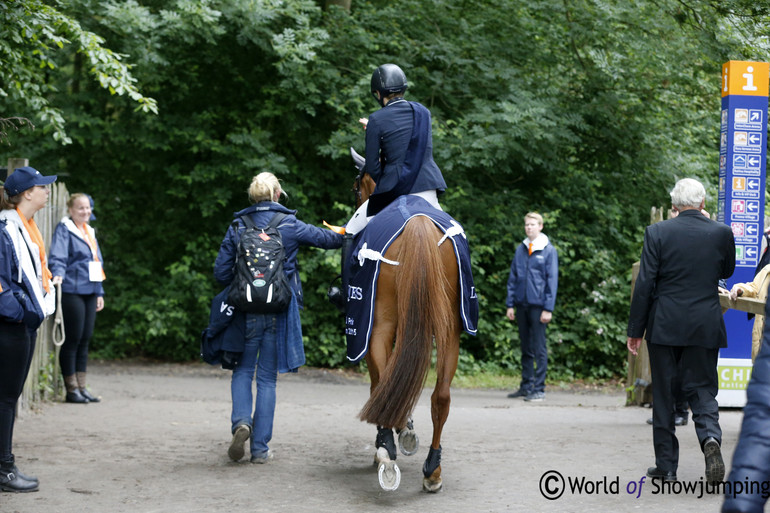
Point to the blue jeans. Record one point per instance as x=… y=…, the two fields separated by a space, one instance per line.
x=533 y=348
x=260 y=353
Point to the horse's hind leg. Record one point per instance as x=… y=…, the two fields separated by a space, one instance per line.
x=446 y=365
x=380 y=349
x=447 y=354
x=388 y=473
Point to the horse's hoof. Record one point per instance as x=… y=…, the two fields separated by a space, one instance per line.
x=389 y=475
x=432 y=486
x=408 y=442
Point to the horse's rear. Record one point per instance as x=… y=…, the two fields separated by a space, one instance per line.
x=417 y=301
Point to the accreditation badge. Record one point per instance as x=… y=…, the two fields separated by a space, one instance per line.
x=95 y=272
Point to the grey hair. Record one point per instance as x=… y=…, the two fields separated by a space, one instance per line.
x=688 y=193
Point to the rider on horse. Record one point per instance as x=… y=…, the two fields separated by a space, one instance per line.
x=399 y=148
x=399 y=158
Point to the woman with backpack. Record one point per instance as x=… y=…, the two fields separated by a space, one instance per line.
x=272 y=340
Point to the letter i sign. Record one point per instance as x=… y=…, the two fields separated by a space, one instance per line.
x=745 y=78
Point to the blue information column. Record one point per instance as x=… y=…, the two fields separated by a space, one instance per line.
x=742 y=162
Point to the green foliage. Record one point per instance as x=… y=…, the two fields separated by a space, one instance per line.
x=45 y=376
x=32 y=34
x=585 y=111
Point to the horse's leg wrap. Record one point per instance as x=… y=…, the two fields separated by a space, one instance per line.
x=385 y=439
x=432 y=462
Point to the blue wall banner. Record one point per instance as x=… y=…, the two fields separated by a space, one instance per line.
x=741 y=205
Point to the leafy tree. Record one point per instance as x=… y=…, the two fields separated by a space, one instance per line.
x=585 y=111
x=31 y=34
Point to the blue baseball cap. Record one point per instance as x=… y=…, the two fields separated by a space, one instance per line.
x=24 y=178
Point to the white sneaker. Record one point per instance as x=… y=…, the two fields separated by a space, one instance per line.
x=264 y=458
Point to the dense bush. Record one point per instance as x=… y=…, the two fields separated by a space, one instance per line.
x=585 y=111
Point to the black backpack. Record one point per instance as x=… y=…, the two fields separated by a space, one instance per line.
x=260 y=285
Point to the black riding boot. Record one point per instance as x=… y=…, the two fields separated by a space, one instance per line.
x=338 y=295
x=12 y=481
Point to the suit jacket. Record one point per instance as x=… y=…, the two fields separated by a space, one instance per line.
x=675 y=297
x=387 y=137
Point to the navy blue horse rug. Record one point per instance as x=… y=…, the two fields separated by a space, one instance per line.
x=368 y=256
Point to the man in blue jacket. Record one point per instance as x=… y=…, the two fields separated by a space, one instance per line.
x=532 y=287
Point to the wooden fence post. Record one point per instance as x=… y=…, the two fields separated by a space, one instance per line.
x=639 y=379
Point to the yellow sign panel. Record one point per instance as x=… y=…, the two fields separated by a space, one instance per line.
x=733 y=377
x=745 y=78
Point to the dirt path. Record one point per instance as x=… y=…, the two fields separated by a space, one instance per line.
x=158 y=443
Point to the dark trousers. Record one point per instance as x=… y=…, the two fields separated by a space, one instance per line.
x=16 y=350
x=79 y=313
x=696 y=369
x=534 y=354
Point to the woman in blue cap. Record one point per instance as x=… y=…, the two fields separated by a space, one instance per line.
x=76 y=264
x=26 y=298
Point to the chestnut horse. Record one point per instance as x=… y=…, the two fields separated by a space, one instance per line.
x=417 y=302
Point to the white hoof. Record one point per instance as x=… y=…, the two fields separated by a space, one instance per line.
x=430 y=486
x=408 y=442
x=389 y=475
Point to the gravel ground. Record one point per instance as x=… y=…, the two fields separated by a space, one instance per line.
x=158 y=443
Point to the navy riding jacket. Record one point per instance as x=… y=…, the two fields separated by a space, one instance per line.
x=388 y=133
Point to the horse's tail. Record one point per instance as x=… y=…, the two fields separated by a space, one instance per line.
x=424 y=311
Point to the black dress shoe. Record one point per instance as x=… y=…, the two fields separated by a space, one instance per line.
x=678 y=421
x=656 y=473
x=76 y=397
x=91 y=398
x=715 y=465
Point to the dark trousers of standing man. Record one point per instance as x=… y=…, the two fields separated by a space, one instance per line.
x=533 y=348
x=697 y=369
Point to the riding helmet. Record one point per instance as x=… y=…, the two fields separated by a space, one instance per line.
x=388 y=79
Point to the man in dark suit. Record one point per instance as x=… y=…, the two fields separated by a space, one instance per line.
x=676 y=304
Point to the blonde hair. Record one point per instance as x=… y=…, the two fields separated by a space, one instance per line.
x=76 y=196
x=534 y=215
x=263 y=187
